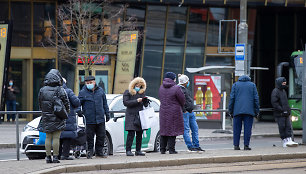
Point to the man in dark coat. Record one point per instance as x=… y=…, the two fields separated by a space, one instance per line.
x=12 y=90
x=50 y=123
x=243 y=105
x=94 y=106
x=134 y=100
x=171 y=122
x=282 y=112
x=70 y=131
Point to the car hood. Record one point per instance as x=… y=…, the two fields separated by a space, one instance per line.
x=34 y=123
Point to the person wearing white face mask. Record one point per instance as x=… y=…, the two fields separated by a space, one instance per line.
x=92 y=97
x=134 y=99
x=12 y=90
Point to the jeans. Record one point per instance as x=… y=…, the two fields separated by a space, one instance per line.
x=99 y=131
x=237 y=126
x=52 y=140
x=11 y=106
x=190 y=123
x=284 y=127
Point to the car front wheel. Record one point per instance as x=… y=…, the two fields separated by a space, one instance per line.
x=107 y=146
x=157 y=143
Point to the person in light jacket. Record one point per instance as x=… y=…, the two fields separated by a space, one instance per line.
x=134 y=99
x=243 y=106
x=171 y=122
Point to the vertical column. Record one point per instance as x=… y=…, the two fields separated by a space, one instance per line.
x=303 y=114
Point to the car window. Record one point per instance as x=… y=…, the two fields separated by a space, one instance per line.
x=155 y=106
x=118 y=106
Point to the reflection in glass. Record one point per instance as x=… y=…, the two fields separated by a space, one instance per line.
x=102 y=80
x=4 y=11
x=175 y=39
x=215 y=14
x=153 y=50
x=21 y=17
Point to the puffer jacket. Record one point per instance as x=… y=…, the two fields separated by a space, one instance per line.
x=172 y=101
x=52 y=89
x=244 y=98
x=279 y=99
x=133 y=107
x=71 y=123
x=94 y=105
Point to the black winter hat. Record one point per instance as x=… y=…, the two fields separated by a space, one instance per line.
x=170 y=75
x=89 y=78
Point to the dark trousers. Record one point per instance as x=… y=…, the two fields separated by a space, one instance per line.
x=11 y=106
x=64 y=148
x=167 y=141
x=130 y=138
x=284 y=127
x=237 y=126
x=99 y=131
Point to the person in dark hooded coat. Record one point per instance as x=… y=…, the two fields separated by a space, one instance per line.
x=243 y=105
x=49 y=122
x=282 y=112
x=134 y=100
x=70 y=131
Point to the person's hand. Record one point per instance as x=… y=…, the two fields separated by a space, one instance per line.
x=107 y=119
x=257 y=115
x=80 y=113
x=139 y=100
x=230 y=115
x=285 y=114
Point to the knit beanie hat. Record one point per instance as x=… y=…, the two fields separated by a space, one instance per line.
x=170 y=75
x=182 y=79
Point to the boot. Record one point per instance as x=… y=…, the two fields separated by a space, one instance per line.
x=246 y=147
x=139 y=153
x=129 y=153
x=48 y=159
x=291 y=143
x=284 y=141
x=55 y=159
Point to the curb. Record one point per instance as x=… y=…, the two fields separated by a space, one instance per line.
x=5 y=146
x=172 y=162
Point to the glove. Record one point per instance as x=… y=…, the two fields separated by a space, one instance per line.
x=146 y=101
x=107 y=119
x=230 y=115
x=80 y=113
x=285 y=114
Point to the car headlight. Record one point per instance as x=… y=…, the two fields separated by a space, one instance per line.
x=294 y=118
x=29 y=128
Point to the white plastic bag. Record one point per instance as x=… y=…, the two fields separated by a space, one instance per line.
x=146 y=117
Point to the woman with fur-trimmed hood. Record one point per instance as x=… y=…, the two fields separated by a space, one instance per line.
x=134 y=99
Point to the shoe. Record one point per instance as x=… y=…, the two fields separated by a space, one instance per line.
x=291 y=143
x=129 y=153
x=192 y=149
x=236 y=148
x=48 y=159
x=173 y=152
x=101 y=156
x=163 y=152
x=139 y=153
x=66 y=158
x=200 y=149
x=284 y=141
x=55 y=159
x=247 y=147
x=89 y=154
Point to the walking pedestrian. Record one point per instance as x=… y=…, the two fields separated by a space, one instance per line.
x=282 y=112
x=11 y=92
x=96 y=111
x=49 y=123
x=171 y=122
x=190 y=122
x=70 y=131
x=243 y=106
x=134 y=99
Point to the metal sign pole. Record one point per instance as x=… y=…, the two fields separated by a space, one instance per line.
x=224 y=107
x=17 y=136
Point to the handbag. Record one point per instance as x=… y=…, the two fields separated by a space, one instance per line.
x=146 y=116
x=59 y=108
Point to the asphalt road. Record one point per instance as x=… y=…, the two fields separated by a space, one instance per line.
x=10 y=154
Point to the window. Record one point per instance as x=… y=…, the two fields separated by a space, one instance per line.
x=4 y=11
x=119 y=105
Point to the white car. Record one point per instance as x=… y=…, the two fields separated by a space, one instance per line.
x=115 y=133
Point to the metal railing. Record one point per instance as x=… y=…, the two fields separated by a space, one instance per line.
x=17 y=125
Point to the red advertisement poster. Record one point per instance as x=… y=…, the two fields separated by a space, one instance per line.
x=207 y=95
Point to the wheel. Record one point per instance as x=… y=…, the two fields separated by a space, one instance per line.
x=33 y=156
x=107 y=146
x=77 y=154
x=157 y=143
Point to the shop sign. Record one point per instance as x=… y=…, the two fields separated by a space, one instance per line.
x=100 y=60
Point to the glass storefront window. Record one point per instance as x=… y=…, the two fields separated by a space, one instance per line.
x=153 y=50
x=175 y=39
x=215 y=14
x=21 y=17
x=4 y=10
x=40 y=68
x=136 y=13
x=15 y=74
x=44 y=18
x=102 y=80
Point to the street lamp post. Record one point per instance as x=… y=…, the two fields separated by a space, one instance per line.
x=243 y=32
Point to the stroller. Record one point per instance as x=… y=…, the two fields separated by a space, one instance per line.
x=79 y=144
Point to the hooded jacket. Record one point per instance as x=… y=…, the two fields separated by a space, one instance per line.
x=172 y=101
x=279 y=99
x=71 y=123
x=133 y=107
x=244 y=98
x=52 y=89
x=188 y=106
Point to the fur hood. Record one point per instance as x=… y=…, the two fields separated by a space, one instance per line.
x=134 y=82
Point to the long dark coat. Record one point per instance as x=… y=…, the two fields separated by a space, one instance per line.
x=132 y=106
x=52 y=89
x=172 y=101
x=71 y=123
x=279 y=99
